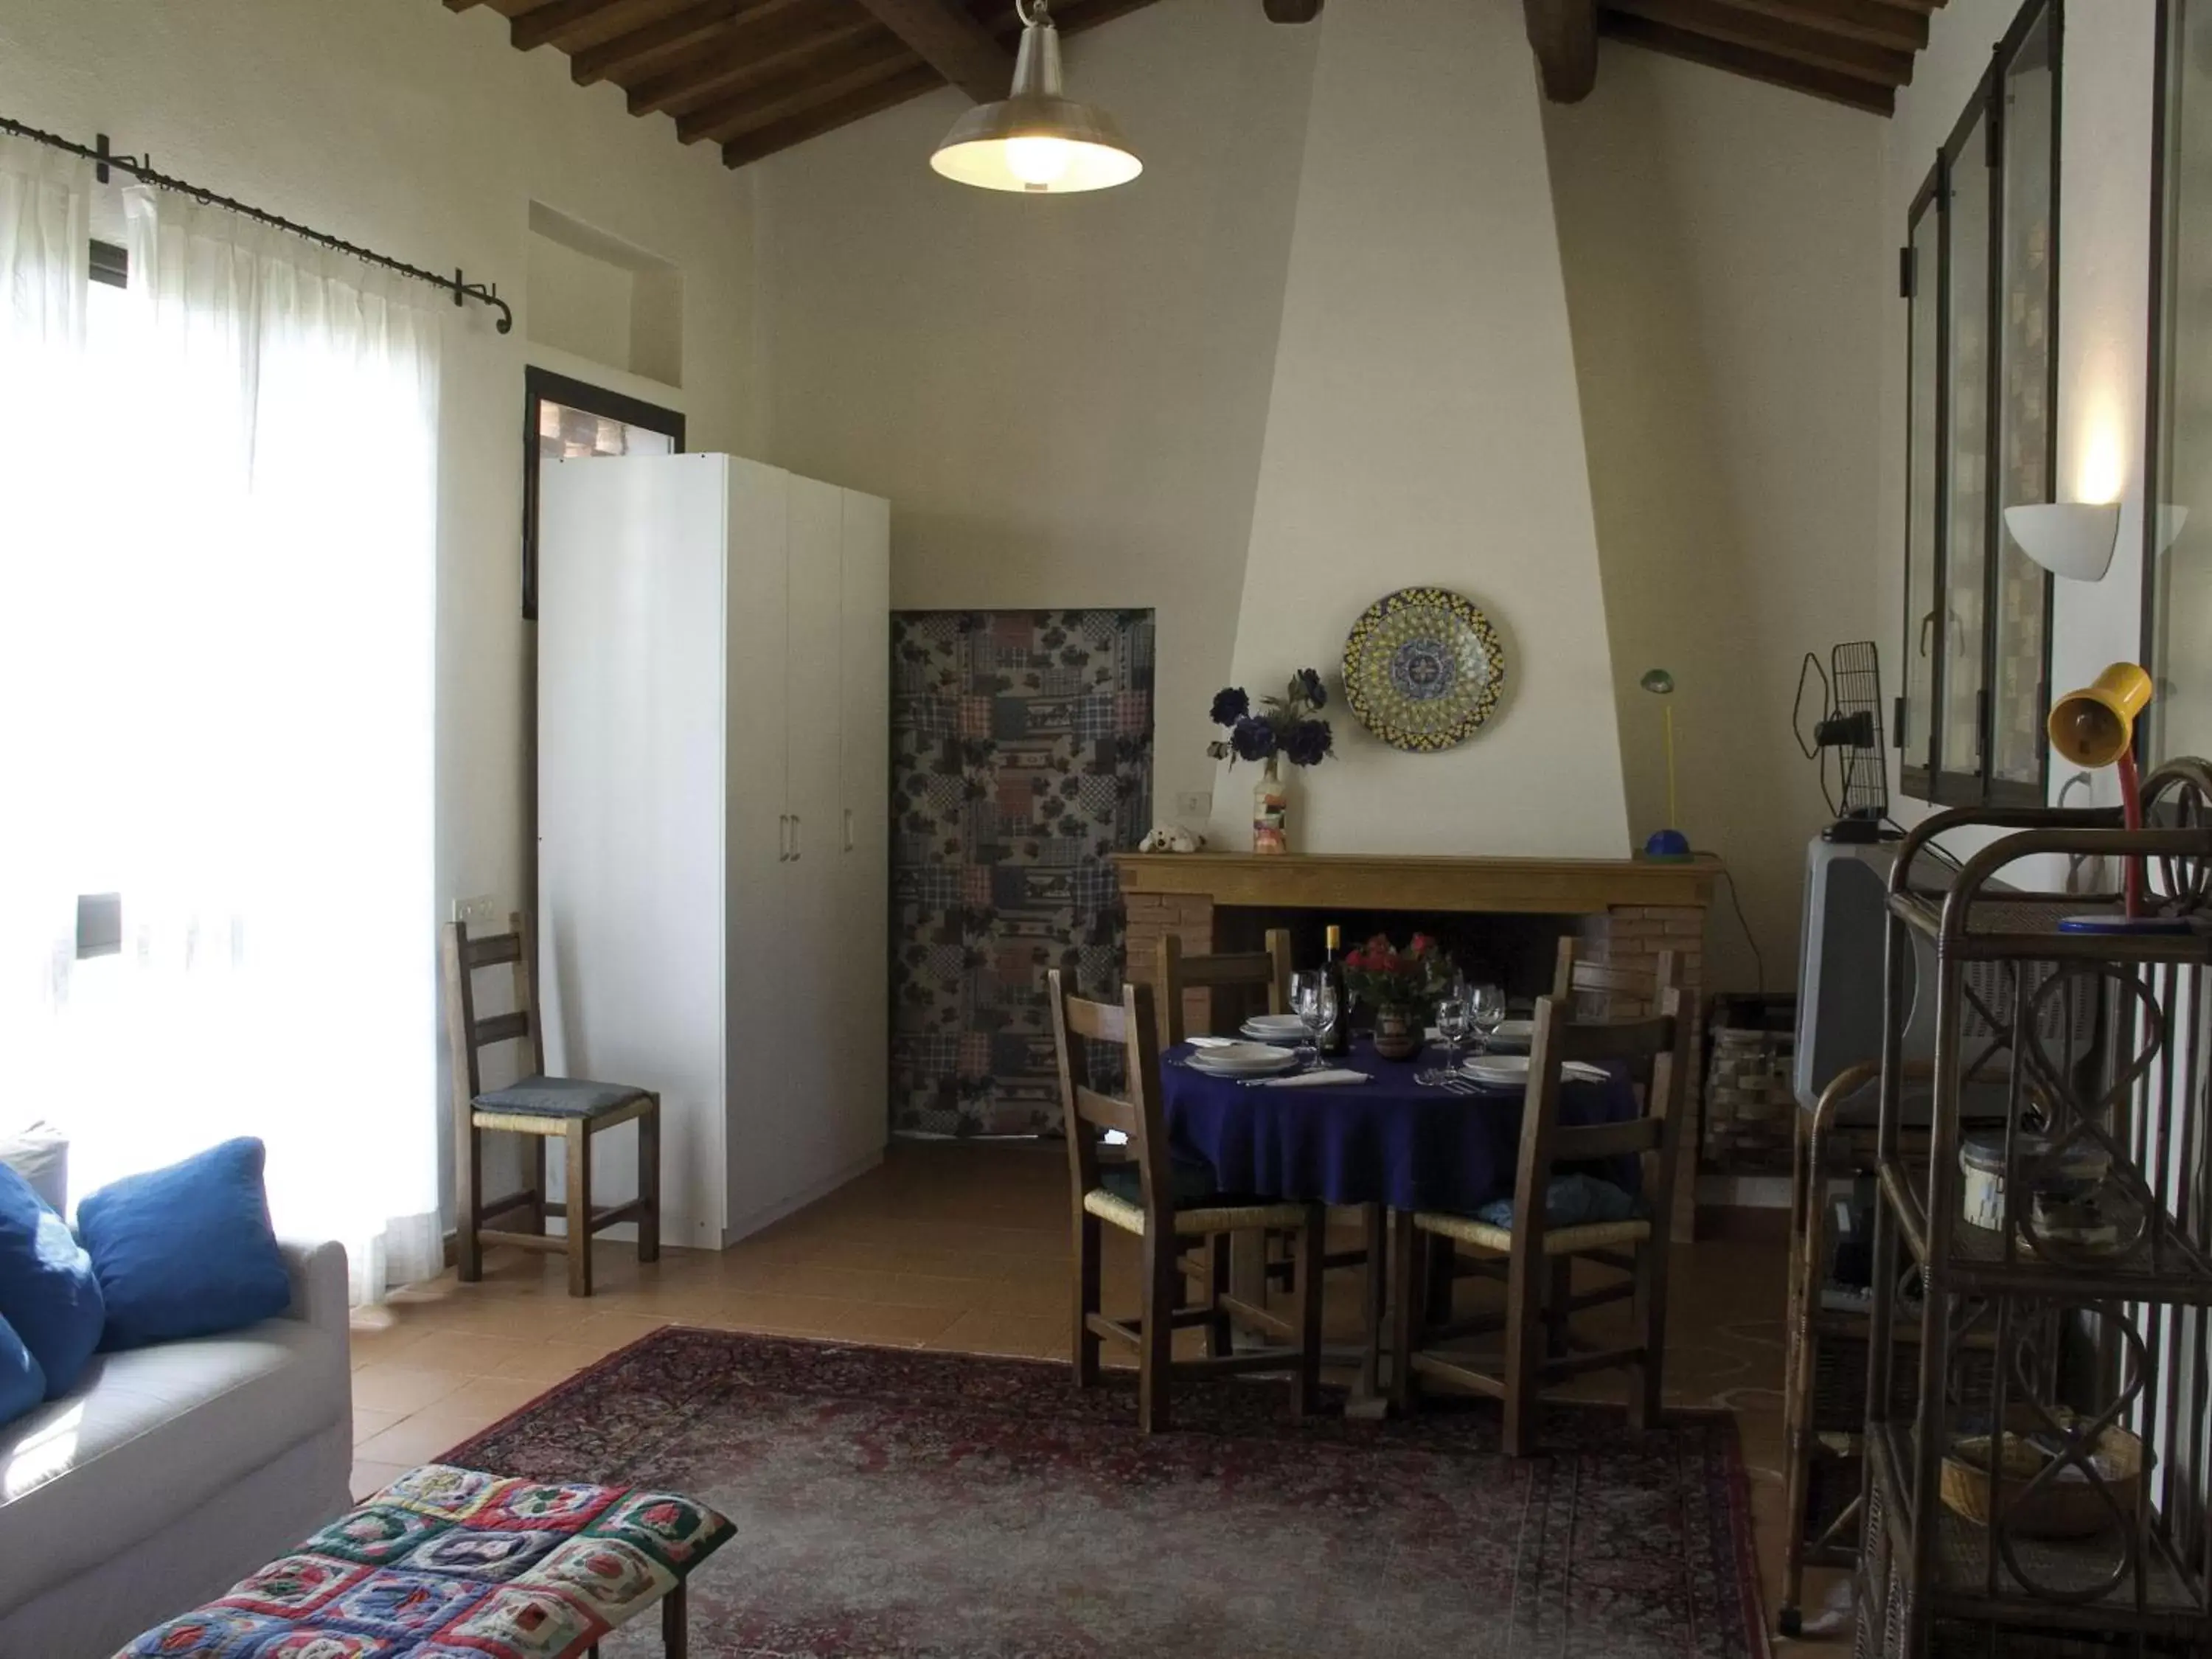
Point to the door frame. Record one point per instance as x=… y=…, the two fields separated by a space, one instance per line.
x=543 y=386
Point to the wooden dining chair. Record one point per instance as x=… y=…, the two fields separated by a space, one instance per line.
x=1166 y=1202
x=1576 y=977
x=546 y=1109
x=1534 y=1250
x=1263 y=975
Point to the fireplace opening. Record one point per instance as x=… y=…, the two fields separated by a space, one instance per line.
x=1514 y=949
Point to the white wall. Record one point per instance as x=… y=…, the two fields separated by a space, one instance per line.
x=1064 y=399
x=398 y=124
x=1424 y=428
x=1714 y=232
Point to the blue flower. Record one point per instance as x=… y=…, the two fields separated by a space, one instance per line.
x=1231 y=705
x=1309 y=743
x=1252 y=739
x=1310 y=687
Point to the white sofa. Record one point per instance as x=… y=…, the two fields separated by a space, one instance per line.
x=173 y=1471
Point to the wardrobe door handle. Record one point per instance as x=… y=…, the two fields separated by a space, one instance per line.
x=848 y=828
x=783 y=838
x=798 y=850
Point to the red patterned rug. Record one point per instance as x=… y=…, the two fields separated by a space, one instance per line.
x=901 y=1504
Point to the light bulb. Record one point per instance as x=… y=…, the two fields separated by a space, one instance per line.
x=1039 y=163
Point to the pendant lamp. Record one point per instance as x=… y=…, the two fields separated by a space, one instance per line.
x=1036 y=139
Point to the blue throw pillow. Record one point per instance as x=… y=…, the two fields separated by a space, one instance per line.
x=22 y=1383
x=185 y=1251
x=47 y=1290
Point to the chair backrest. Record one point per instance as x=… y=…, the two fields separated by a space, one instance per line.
x=1655 y=1052
x=1077 y=1024
x=467 y=1035
x=1263 y=973
x=1573 y=975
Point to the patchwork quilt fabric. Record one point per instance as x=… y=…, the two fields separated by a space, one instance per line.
x=454 y=1564
x=1021 y=762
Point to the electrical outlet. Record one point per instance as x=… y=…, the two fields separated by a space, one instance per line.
x=1197 y=806
x=483 y=910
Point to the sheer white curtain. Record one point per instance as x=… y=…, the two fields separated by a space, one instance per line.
x=224 y=654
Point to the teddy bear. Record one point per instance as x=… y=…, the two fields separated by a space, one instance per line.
x=1171 y=838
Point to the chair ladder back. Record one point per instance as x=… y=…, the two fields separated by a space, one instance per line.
x=1573 y=975
x=1667 y=1097
x=469 y=1034
x=531 y=1057
x=1175 y=975
x=1137 y=1113
x=461 y=1013
x=1539 y=1125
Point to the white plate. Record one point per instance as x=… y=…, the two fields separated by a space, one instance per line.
x=1273 y=1033
x=1286 y=1023
x=1499 y=1071
x=1209 y=1062
x=1515 y=1031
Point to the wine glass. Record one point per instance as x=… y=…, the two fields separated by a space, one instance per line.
x=1486 y=1006
x=1455 y=1017
x=1313 y=999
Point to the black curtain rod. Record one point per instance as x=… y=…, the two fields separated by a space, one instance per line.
x=141 y=169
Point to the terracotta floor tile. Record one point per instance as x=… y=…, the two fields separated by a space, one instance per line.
x=367 y=1424
x=402 y=1389
x=369 y=1479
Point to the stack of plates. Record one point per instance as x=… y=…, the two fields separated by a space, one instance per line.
x=1243 y=1060
x=1513 y=1034
x=1511 y=1071
x=1275 y=1028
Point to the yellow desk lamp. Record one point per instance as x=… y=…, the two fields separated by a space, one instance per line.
x=2095 y=728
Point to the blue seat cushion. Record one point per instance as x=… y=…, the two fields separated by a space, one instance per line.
x=188 y=1250
x=49 y=1292
x=558 y=1097
x=1571 y=1201
x=22 y=1383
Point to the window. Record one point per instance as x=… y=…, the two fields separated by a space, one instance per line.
x=1980 y=279
x=2176 y=526
x=563 y=419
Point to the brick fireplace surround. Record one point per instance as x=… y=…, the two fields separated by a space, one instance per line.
x=1626 y=911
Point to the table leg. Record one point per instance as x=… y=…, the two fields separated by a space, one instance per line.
x=1372 y=1295
x=675 y=1630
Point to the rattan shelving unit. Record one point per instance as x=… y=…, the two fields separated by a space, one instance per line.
x=2116 y=1332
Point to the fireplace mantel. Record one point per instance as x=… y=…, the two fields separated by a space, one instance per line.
x=1383 y=881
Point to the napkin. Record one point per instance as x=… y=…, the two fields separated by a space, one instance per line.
x=1212 y=1043
x=1324 y=1079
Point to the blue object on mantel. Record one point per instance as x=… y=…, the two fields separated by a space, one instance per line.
x=2159 y=926
x=1666 y=844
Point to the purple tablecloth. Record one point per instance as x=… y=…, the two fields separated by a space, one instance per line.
x=1388 y=1141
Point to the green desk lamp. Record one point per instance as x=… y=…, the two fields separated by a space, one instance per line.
x=1665 y=844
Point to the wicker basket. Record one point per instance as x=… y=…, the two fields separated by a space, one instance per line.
x=1750 y=1104
x=2067 y=1506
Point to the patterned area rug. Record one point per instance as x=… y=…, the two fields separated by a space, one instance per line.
x=901 y=1504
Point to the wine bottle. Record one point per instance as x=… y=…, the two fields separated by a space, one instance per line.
x=1337 y=1039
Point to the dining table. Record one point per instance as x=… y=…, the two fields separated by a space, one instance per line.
x=1386 y=1141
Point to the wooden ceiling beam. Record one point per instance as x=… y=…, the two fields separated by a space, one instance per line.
x=866 y=64
x=950 y=42
x=1873 y=97
x=1878 y=23
x=828 y=117
x=753 y=51
x=611 y=60
x=568 y=22
x=1562 y=33
x=1730 y=25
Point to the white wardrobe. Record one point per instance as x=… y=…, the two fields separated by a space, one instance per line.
x=713 y=767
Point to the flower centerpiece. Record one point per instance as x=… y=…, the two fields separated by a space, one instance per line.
x=1284 y=728
x=1400 y=985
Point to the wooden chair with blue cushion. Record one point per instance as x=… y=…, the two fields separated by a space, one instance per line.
x=1559 y=1212
x=545 y=1108
x=1167 y=1201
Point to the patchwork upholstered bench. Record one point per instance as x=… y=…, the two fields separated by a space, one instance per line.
x=451 y=1563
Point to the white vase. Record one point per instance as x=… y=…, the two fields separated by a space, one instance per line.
x=1271 y=808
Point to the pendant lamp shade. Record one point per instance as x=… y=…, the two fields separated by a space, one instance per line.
x=1036 y=139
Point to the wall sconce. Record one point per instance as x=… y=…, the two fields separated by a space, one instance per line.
x=2072 y=539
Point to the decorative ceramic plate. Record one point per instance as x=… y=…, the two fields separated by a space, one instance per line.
x=1423 y=669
